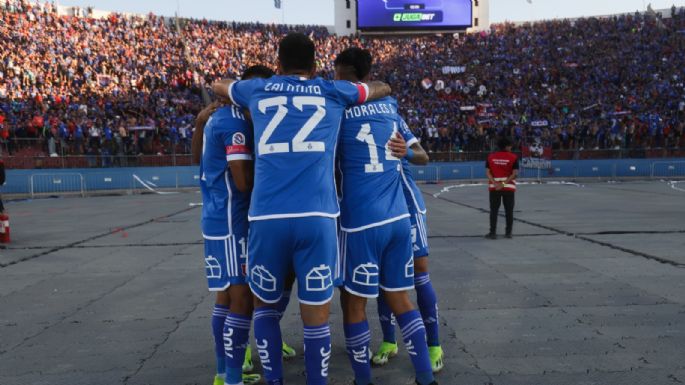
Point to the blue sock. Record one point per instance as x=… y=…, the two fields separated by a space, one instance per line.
x=282 y=303
x=267 y=332
x=236 y=336
x=414 y=337
x=387 y=320
x=357 y=338
x=428 y=305
x=218 y=318
x=317 y=353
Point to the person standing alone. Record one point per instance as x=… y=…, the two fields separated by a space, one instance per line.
x=501 y=169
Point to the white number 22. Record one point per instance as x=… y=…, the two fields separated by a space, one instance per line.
x=299 y=144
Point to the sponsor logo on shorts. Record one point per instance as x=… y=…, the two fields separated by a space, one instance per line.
x=319 y=278
x=409 y=268
x=212 y=267
x=366 y=274
x=262 y=278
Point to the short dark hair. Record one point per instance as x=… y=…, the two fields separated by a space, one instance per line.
x=258 y=71
x=503 y=143
x=356 y=58
x=296 y=52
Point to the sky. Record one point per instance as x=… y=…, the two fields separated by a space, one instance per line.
x=321 y=11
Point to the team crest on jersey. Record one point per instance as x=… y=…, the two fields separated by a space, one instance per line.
x=238 y=139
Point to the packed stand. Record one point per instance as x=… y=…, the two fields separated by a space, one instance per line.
x=132 y=85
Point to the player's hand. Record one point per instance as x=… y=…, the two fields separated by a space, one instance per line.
x=499 y=186
x=204 y=115
x=398 y=146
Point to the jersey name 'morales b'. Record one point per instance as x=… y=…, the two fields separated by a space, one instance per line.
x=371 y=180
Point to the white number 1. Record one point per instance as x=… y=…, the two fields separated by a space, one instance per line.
x=365 y=136
x=299 y=142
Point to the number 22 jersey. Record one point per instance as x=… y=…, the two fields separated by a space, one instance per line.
x=296 y=124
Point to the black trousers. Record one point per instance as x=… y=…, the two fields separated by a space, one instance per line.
x=496 y=199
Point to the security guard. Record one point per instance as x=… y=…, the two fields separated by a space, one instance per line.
x=502 y=170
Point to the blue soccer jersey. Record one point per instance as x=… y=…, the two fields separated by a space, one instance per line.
x=371 y=181
x=227 y=137
x=296 y=124
x=411 y=190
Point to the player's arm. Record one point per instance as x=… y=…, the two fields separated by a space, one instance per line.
x=239 y=158
x=221 y=88
x=242 y=172
x=360 y=93
x=198 y=134
x=236 y=92
x=377 y=90
x=414 y=153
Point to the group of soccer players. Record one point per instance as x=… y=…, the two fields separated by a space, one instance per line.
x=268 y=159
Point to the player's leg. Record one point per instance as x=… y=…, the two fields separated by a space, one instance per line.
x=288 y=352
x=239 y=318
x=388 y=347
x=313 y=262
x=495 y=201
x=357 y=336
x=237 y=335
x=216 y=270
x=270 y=261
x=509 y=211
x=395 y=280
x=427 y=300
x=219 y=313
x=361 y=282
x=413 y=334
x=426 y=297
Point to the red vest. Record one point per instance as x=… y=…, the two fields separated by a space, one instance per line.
x=501 y=165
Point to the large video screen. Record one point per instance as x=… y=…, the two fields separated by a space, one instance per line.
x=407 y=15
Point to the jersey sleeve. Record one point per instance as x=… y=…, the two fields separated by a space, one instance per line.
x=406 y=133
x=240 y=91
x=351 y=93
x=238 y=142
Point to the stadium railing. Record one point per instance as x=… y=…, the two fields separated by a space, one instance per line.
x=39 y=161
x=91 y=181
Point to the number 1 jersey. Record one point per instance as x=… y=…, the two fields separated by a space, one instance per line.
x=296 y=125
x=371 y=181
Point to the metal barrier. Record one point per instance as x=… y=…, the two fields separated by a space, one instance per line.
x=155 y=179
x=667 y=169
x=48 y=184
x=428 y=174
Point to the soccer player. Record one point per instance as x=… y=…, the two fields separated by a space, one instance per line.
x=294 y=204
x=425 y=294
x=376 y=236
x=226 y=171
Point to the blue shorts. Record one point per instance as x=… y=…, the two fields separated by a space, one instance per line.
x=378 y=257
x=225 y=262
x=419 y=234
x=308 y=246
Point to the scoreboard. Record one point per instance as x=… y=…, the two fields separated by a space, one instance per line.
x=414 y=15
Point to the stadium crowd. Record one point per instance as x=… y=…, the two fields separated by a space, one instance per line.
x=132 y=85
